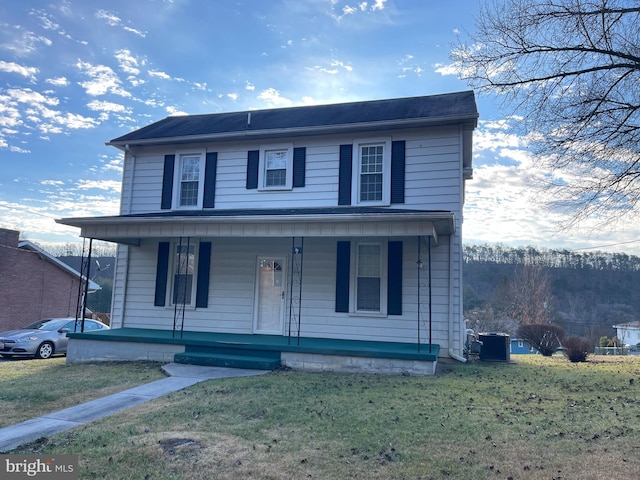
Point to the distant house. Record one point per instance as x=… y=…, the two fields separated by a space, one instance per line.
x=519 y=346
x=628 y=333
x=33 y=283
x=326 y=237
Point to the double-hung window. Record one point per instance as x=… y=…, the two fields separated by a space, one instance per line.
x=276 y=167
x=189 y=180
x=368 y=277
x=183 y=267
x=372 y=172
x=371 y=164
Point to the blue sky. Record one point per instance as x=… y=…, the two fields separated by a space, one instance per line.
x=75 y=74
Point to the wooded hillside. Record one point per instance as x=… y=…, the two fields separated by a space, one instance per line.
x=588 y=291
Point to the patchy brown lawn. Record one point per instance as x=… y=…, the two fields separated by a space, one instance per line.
x=535 y=418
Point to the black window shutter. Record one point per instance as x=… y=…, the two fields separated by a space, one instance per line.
x=344 y=175
x=210 y=180
x=167 y=182
x=204 y=264
x=343 y=266
x=253 y=158
x=162 y=272
x=299 y=161
x=397 y=171
x=394 y=278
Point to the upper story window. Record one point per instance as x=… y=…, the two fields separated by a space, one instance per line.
x=189 y=180
x=371 y=164
x=276 y=167
x=372 y=172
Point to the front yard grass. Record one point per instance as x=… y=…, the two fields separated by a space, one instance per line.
x=534 y=418
x=30 y=388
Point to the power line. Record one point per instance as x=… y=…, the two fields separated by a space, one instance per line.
x=605 y=246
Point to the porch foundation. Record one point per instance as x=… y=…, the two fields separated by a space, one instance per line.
x=310 y=354
x=313 y=362
x=85 y=350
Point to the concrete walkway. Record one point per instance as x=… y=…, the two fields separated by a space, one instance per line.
x=181 y=376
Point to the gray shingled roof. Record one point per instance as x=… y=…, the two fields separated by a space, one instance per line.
x=457 y=107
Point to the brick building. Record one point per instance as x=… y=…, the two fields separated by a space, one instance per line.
x=33 y=283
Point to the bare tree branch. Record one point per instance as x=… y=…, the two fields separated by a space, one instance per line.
x=571 y=70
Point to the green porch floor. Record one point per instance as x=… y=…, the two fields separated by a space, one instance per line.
x=268 y=343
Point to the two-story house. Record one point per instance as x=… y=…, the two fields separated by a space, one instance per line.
x=320 y=237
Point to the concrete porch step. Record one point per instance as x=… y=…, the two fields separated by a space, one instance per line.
x=211 y=359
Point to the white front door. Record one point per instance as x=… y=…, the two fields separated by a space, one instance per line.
x=270 y=295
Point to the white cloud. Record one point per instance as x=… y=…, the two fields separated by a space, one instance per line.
x=11 y=67
x=363 y=6
x=115 y=164
x=103 y=80
x=25 y=43
x=233 y=96
x=28 y=96
x=114 y=20
x=58 y=81
x=136 y=31
x=156 y=73
x=15 y=149
x=274 y=99
x=108 y=185
x=128 y=63
x=100 y=106
x=249 y=86
x=348 y=10
x=445 y=70
x=174 y=112
x=72 y=121
x=333 y=69
x=111 y=18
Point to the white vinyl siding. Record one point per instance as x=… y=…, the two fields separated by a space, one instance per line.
x=432 y=165
x=231 y=292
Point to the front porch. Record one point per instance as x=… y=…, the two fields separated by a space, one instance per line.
x=267 y=352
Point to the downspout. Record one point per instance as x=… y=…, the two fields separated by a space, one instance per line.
x=452 y=353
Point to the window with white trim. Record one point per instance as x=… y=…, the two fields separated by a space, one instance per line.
x=276 y=167
x=189 y=183
x=369 y=284
x=183 y=268
x=372 y=172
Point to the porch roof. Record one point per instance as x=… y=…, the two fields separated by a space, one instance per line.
x=294 y=222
